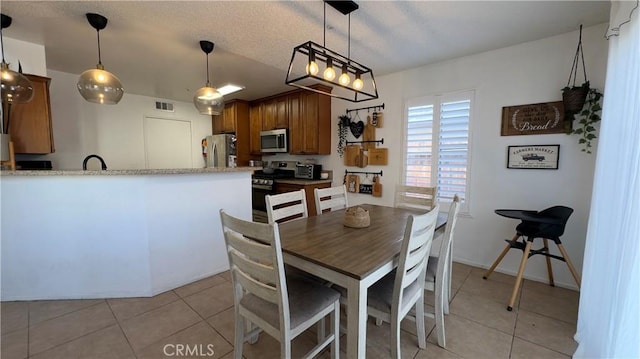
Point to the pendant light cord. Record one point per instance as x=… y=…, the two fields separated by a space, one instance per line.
x=207 y=70
x=99 y=56
x=2 y=44
x=324 y=27
x=349 y=41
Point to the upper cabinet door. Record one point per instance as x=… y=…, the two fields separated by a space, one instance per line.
x=255 y=126
x=310 y=132
x=225 y=122
x=275 y=114
x=30 y=126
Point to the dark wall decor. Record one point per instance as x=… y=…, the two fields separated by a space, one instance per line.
x=533 y=119
x=543 y=157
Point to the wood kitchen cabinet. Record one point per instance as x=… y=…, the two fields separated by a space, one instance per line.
x=308 y=189
x=235 y=119
x=310 y=131
x=30 y=127
x=255 y=126
x=274 y=114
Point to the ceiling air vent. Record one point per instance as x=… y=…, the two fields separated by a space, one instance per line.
x=164 y=106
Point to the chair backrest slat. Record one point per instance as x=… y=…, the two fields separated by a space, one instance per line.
x=414 y=254
x=255 y=257
x=332 y=198
x=284 y=206
x=413 y=197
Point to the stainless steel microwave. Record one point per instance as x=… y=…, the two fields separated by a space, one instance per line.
x=274 y=141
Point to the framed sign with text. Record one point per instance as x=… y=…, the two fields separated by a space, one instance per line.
x=534 y=119
x=543 y=157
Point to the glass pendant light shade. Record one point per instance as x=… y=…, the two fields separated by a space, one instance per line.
x=97 y=85
x=100 y=86
x=16 y=88
x=208 y=101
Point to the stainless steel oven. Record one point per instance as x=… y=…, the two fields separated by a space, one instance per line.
x=263 y=184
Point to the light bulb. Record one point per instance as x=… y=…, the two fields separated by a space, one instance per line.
x=344 y=79
x=329 y=74
x=358 y=84
x=312 y=68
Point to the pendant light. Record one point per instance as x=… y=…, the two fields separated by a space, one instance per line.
x=97 y=85
x=312 y=63
x=16 y=88
x=207 y=99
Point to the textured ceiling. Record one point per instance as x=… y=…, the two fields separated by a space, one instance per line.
x=152 y=46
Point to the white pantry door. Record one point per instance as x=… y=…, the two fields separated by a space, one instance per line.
x=167 y=143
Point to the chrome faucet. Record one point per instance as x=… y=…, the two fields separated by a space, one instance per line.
x=84 y=163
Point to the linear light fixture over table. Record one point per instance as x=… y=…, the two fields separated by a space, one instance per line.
x=97 y=85
x=312 y=62
x=207 y=99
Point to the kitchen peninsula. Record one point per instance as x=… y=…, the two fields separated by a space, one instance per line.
x=115 y=233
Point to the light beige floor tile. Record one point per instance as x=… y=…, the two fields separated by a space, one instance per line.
x=435 y=352
x=490 y=289
x=557 y=303
x=107 y=343
x=197 y=341
x=409 y=325
x=212 y=300
x=472 y=340
x=56 y=331
x=379 y=342
x=42 y=310
x=268 y=348
x=460 y=274
x=197 y=286
x=495 y=276
x=224 y=323
x=13 y=345
x=159 y=323
x=125 y=308
x=547 y=332
x=484 y=311
x=14 y=316
x=522 y=349
x=226 y=275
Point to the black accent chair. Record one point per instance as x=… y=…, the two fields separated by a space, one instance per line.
x=548 y=224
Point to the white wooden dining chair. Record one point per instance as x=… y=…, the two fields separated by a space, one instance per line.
x=332 y=198
x=282 y=307
x=438 y=277
x=392 y=297
x=287 y=206
x=414 y=197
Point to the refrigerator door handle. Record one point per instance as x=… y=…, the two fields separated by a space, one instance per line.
x=215 y=155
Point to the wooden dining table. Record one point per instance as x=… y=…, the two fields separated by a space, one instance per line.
x=353 y=258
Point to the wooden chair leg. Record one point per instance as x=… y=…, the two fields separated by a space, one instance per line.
x=569 y=264
x=500 y=257
x=516 y=286
x=549 y=269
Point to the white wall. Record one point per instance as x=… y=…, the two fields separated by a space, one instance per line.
x=31 y=56
x=115 y=132
x=528 y=73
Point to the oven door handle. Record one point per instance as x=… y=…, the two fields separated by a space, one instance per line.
x=265 y=187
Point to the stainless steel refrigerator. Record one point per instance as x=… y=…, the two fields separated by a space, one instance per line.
x=219 y=150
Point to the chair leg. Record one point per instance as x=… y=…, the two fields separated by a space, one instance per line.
x=321 y=330
x=549 y=269
x=440 y=294
x=569 y=264
x=499 y=259
x=420 y=327
x=395 y=337
x=238 y=341
x=335 y=325
x=516 y=286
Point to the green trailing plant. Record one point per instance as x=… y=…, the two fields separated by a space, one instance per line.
x=343 y=128
x=587 y=120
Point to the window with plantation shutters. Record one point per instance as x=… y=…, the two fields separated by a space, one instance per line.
x=437 y=145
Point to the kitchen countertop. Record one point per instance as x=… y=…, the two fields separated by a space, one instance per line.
x=300 y=181
x=142 y=172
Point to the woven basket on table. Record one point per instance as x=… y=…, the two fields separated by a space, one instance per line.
x=356 y=217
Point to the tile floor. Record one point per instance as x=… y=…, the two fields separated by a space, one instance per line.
x=200 y=315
